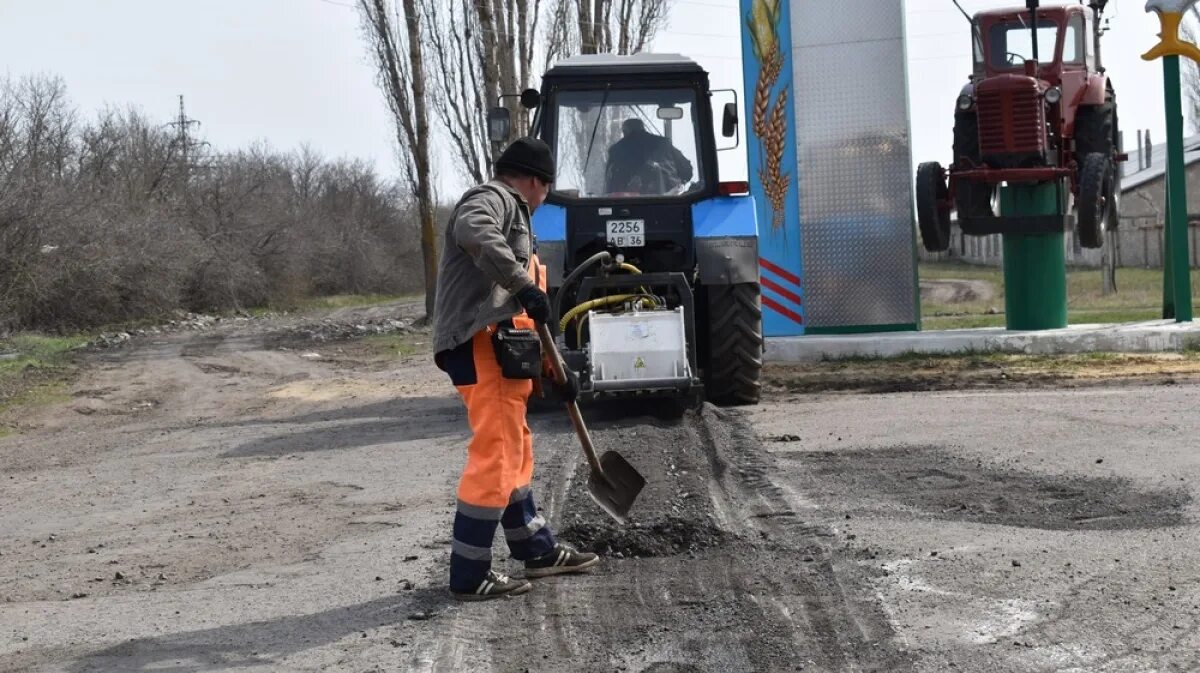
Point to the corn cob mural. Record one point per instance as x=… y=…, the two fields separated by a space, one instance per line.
x=770 y=120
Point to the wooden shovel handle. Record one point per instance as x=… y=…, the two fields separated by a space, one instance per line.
x=560 y=377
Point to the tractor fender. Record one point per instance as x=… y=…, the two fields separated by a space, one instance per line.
x=1094 y=90
x=726 y=234
x=549 y=224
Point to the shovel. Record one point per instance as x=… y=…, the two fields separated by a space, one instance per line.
x=614 y=484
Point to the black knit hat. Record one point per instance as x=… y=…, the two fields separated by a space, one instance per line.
x=528 y=156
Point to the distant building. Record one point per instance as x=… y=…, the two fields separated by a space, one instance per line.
x=1143 y=205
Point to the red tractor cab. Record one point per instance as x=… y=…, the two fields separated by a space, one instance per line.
x=1038 y=108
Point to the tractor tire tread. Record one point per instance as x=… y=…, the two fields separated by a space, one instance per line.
x=735 y=344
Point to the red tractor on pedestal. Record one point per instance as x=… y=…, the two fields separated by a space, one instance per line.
x=1038 y=108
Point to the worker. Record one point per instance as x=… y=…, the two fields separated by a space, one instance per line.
x=490 y=281
x=644 y=163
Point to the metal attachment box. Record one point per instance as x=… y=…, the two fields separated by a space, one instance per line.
x=642 y=349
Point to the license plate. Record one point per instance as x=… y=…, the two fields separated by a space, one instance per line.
x=627 y=233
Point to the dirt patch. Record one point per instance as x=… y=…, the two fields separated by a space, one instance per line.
x=930 y=373
x=958 y=489
x=956 y=291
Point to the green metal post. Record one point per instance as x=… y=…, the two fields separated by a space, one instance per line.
x=1035 y=268
x=1177 y=225
x=1168 y=302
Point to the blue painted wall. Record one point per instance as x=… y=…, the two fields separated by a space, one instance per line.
x=770 y=123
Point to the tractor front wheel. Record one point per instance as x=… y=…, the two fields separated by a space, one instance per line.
x=1096 y=198
x=933 y=207
x=735 y=344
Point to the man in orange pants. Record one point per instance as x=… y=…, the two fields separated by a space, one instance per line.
x=489 y=278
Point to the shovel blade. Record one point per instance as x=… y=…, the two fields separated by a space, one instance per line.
x=616 y=490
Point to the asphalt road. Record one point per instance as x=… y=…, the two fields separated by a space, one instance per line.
x=237 y=500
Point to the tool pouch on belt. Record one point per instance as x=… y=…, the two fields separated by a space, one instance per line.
x=519 y=352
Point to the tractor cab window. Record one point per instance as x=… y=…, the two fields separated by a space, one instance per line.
x=1010 y=44
x=1074 y=45
x=977 y=49
x=627 y=143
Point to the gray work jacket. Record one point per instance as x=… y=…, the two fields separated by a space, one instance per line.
x=485 y=263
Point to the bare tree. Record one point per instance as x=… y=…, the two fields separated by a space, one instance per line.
x=1191 y=71
x=394 y=34
x=481 y=50
x=94 y=229
x=605 y=26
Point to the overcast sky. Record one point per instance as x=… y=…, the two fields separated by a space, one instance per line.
x=294 y=71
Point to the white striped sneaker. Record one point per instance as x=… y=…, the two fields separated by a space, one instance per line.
x=494 y=585
x=561 y=559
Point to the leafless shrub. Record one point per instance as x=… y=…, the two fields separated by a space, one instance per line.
x=103 y=222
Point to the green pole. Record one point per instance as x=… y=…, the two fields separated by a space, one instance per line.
x=1181 y=276
x=1035 y=268
x=1168 y=302
x=1168 y=282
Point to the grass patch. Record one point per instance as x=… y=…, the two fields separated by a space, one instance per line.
x=35 y=371
x=399 y=344
x=34 y=351
x=1139 y=297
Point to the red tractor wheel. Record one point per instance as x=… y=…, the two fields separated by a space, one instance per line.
x=933 y=207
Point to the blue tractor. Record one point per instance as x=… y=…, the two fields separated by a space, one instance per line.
x=652 y=261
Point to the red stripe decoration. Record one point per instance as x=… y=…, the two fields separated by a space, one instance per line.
x=779 y=271
x=781 y=290
x=782 y=310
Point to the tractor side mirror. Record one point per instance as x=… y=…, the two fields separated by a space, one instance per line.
x=729 y=121
x=531 y=99
x=499 y=124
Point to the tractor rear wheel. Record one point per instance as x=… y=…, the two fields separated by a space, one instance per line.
x=735 y=344
x=933 y=207
x=1096 y=199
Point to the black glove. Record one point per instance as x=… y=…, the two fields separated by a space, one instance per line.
x=535 y=302
x=569 y=391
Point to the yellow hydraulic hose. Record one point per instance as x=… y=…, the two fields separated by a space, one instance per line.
x=645 y=299
x=603 y=301
x=589 y=305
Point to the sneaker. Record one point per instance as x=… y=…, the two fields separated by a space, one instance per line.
x=562 y=559
x=494 y=586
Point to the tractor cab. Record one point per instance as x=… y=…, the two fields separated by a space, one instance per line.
x=635 y=149
x=651 y=261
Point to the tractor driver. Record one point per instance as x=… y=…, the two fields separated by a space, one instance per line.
x=644 y=163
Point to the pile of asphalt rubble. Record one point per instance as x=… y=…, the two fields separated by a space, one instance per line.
x=186 y=322
x=674 y=514
x=330 y=330
x=323 y=331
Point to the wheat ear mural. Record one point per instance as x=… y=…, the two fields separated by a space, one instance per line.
x=770 y=120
